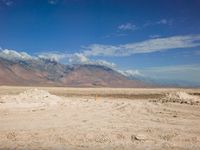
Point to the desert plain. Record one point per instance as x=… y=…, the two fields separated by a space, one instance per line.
x=58 y=118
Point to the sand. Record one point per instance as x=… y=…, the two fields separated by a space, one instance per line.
x=94 y=121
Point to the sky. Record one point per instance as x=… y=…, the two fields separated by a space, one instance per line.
x=156 y=39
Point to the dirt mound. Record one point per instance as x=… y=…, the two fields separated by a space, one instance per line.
x=35 y=95
x=180 y=97
x=30 y=98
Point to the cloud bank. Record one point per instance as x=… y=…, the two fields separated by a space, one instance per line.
x=14 y=55
x=148 y=46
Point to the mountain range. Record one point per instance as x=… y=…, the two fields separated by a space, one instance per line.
x=46 y=72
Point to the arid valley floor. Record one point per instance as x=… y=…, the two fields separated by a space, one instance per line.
x=99 y=118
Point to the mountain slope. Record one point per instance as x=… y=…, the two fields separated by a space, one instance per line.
x=94 y=75
x=43 y=72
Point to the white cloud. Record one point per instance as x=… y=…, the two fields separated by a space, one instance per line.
x=128 y=27
x=130 y=73
x=12 y=54
x=148 y=46
x=16 y=55
x=100 y=50
x=104 y=63
x=51 y=56
x=78 y=58
x=163 y=21
x=53 y=2
x=115 y=35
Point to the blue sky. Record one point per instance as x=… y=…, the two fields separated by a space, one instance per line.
x=155 y=38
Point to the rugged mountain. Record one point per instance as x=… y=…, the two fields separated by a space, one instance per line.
x=44 y=72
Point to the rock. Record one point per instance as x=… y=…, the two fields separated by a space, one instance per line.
x=138 y=137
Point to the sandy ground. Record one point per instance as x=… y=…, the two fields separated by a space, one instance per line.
x=83 y=119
